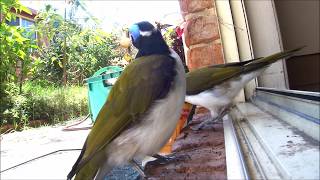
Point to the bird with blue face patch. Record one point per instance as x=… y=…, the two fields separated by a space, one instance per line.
x=141 y=111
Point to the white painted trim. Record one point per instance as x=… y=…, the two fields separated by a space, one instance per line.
x=265 y=39
x=228 y=37
x=243 y=39
x=278 y=149
x=280 y=44
x=234 y=157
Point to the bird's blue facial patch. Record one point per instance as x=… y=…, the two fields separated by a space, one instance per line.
x=134 y=31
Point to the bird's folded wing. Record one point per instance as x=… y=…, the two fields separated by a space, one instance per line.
x=208 y=77
x=237 y=64
x=140 y=84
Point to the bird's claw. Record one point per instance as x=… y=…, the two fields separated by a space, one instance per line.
x=206 y=124
x=164 y=159
x=138 y=168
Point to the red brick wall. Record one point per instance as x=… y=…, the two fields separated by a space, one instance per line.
x=201 y=33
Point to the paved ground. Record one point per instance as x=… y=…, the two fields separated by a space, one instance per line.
x=19 y=147
x=198 y=146
x=22 y=146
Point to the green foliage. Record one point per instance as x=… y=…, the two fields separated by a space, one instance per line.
x=169 y=36
x=85 y=50
x=14 y=46
x=41 y=101
x=55 y=104
x=64 y=45
x=15 y=112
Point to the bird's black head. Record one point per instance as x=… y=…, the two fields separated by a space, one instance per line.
x=147 y=39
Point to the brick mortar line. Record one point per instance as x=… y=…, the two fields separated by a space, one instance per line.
x=203 y=44
x=205 y=12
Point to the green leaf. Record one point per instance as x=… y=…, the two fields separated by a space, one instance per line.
x=60 y=64
x=53 y=59
x=34 y=46
x=21 y=54
x=9 y=17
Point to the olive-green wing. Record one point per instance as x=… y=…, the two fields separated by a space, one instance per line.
x=259 y=63
x=241 y=63
x=145 y=80
x=207 y=77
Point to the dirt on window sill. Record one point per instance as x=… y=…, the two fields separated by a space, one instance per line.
x=198 y=154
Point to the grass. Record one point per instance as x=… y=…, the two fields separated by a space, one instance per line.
x=57 y=104
x=41 y=104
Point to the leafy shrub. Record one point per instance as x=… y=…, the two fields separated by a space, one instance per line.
x=15 y=51
x=66 y=54
x=13 y=107
x=55 y=104
x=41 y=101
x=68 y=46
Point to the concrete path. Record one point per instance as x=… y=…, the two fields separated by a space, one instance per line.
x=22 y=146
x=19 y=147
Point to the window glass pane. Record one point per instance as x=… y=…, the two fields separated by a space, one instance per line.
x=27 y=25
x=13 y=22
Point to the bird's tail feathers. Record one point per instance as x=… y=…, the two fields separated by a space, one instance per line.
x=75 y=167
x=86 y=167
x=263 y=62
x=89 y=169
x=275 y=57
x=103 y=171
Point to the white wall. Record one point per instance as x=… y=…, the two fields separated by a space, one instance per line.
x=228 y=37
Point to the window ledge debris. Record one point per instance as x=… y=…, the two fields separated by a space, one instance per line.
x=279 y=134
x=199 y=154
x=274 y=136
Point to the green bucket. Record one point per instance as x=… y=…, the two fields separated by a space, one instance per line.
x=99 y=86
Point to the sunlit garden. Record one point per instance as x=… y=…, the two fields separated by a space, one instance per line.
x=45 y=62
x=179 y=89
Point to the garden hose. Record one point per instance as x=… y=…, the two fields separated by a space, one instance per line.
x=61 y=150
x=71 y=128
x=67 y=128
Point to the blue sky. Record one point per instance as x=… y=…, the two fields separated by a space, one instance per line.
x=120 y=13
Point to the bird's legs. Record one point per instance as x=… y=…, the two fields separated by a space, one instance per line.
x=138 y=168
x=190 y=117
x=215 y=120
x=224 y=112
x=191 y=114
x=168 y=158
x=164 y=159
